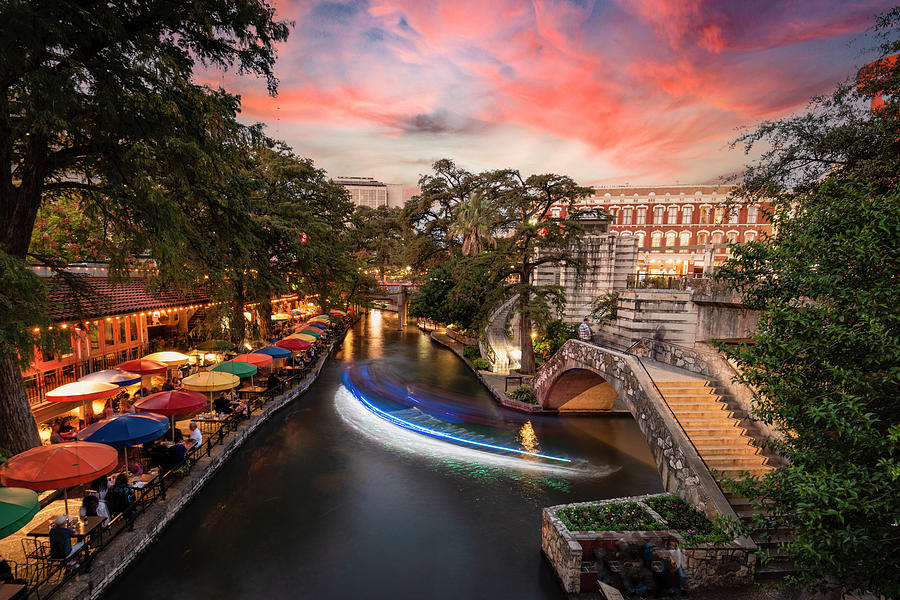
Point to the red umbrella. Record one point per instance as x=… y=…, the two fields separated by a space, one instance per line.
x=171 y=403
x=59 y=466
x=143 y=366
x=293 y=344
x=260 y=360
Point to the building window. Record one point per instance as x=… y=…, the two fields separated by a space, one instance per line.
x=733 y=217
x=554 y=213
x=656 y=239
x=642 y=216
x=615 y=215
x=626 y=216
x=670 y=238
x=640 y=238
x=702 y=238
x=717 y=237
x=65 y=348
x=658 y=215
x=685 y=238
x=123 y=329
x=109 y=336
x=720 y=214
x=673 y=215
x=732 y=237
x=94 y=335
x=706 y=215
x=751 y=214
x=686 y=214
x=749 y=236
x=134 y=329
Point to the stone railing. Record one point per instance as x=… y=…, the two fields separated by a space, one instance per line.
x=705 y=565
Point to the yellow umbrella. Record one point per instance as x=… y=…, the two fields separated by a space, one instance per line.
x=304 y=337
x=171 y=359
x=209 y=382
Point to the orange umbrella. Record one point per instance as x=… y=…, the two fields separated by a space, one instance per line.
x=59 y=466
x=260 y=360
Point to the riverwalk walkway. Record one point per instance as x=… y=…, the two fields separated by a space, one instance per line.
x=125 y=548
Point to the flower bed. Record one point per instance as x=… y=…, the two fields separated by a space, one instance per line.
x=626 y=516
x=684 y=518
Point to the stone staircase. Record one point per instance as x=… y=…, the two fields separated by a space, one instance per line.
x=725 y=445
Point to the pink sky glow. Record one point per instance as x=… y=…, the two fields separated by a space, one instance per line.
x=625 y=91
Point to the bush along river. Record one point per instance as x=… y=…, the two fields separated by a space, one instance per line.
x=395 y=475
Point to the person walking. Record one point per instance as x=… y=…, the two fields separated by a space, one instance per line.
x=584 y=331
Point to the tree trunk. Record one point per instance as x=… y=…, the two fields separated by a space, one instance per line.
x=238 y=323
x=18 y=431
x=265 y=318
x=527 y=360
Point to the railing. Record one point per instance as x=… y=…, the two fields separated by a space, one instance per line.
x=50 y=576
x=661 y=282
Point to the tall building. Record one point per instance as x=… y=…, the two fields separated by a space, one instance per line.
x=365 y=191
x=680 y=229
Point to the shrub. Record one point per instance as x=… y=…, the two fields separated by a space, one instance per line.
x=625 y=516
x=481 y=364
x=523 y=393
x=471 y=352
x=687 y=520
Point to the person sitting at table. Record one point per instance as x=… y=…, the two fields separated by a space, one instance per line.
x=196 y=435
x=120 y=496
x=221 y=404
x=273 y=381
x=55 y=437
x=167 y=386
x=240 y=408
x=136 y=468
x=177 y=451
x=66 y=430
x=92 y=507
x=61 y=546
x=158 y=455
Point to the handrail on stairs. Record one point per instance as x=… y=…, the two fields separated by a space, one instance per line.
x=683 y=430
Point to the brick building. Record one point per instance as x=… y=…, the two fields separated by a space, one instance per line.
x=680 y=229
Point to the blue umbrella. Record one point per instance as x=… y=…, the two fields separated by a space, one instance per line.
x=274 y=352
x=115 y=376
x=317 y=325
x=122 y=431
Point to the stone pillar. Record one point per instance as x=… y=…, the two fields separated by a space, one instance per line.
x=402 y=308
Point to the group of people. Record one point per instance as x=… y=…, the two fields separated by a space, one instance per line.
x=644 y=569
x=229 y=403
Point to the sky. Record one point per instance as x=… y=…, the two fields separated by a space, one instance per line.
x=609 y=93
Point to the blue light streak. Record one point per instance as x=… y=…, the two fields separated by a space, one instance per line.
x=437 y=434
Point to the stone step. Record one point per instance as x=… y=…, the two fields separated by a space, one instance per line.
x=682 y=391
x=773 y=570
x=730 y=471
x=721 y=430
x=696 y=405
x=706 y=441
x=723 y=420
x=736 y=449
x=718 y=461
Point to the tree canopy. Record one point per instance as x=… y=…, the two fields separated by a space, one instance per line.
x=824 y=364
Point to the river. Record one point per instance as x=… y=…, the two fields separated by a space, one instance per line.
x=333 y=499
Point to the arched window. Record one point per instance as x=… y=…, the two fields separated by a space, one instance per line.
x=626 y=216
x=751 y=214
x=686 y=214
x=749 y=236
x=720 y=214
x=702 y=238
x=642 y=216
x=717 y=237
x=658 y=215
x=640 y=235
x=706 y=215
x=670 y=238
x=673 y=215
x=685 y=238
x=554 y=212
x=656 y=239
x=732 y=237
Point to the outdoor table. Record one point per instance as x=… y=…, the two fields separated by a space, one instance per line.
x=9 y=590
x=82 y=527
x=251 y=392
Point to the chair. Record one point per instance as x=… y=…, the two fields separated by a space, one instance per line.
x=39 y=566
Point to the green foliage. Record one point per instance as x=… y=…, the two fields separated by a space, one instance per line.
x=824 y=359
x=694 y=527
x=481 y=364
x=523 y=393
x=617 y=516
x=471 y=352
x=553 y=337
x=606 y=307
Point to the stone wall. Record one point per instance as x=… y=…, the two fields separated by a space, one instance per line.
x=706 y=565
x=681 y=470
x=608 y=258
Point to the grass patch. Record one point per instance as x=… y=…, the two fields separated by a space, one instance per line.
x=627 y=516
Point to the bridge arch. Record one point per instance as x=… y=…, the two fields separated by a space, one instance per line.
x=590 y=368
x=581 y=390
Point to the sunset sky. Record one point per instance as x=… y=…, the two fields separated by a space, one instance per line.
x=640 y=91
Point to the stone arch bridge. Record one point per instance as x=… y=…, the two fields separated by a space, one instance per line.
x=587 y=375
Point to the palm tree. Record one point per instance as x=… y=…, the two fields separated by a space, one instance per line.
x=475 y=221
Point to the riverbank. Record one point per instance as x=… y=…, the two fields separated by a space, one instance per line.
x=114 y=560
